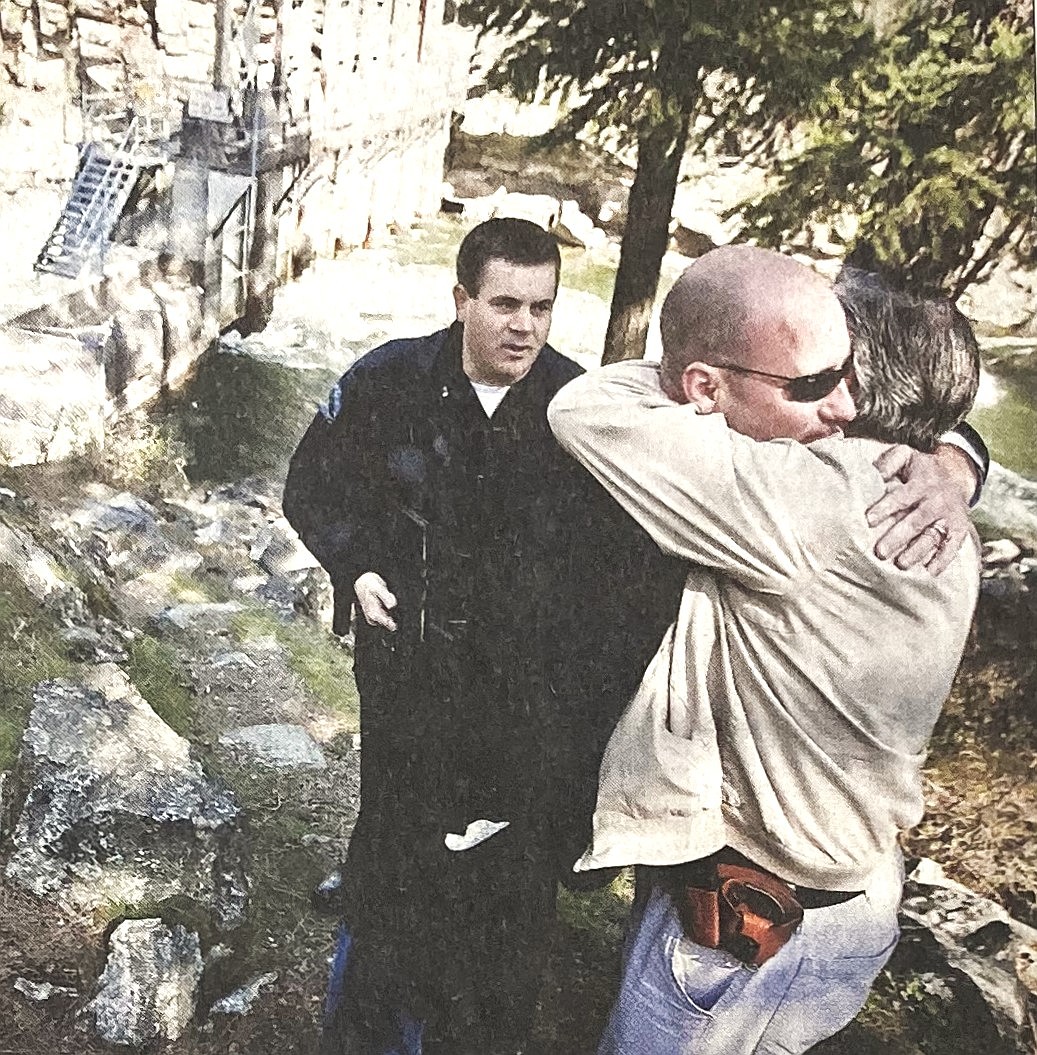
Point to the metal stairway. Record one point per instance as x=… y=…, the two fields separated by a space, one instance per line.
x=103 y=184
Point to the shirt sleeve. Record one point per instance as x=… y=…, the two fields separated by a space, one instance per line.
x=763 y=513
x=967 y=439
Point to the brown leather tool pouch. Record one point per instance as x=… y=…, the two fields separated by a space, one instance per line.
x=749 y=913
x=699 y=912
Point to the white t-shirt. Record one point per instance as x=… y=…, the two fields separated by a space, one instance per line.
x=489 y=395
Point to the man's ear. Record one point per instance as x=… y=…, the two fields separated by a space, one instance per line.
x=699 y=385
x=461 y=299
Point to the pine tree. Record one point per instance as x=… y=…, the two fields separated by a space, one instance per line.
x=928 y=145
x=639 y=68
x=922 y=134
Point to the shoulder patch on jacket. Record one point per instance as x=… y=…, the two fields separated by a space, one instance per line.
x=330 y=410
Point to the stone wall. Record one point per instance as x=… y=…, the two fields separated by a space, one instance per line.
x=364 y=89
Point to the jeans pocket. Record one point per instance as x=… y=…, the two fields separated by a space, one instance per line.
x=707 y=978
x=823 y=997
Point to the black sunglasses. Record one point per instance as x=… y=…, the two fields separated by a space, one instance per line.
x=808 y=388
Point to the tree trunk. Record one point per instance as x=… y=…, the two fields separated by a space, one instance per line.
x=660 y=149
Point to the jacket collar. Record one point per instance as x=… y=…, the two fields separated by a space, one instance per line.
x=449 y=377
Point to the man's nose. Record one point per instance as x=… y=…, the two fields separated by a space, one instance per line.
x=838 y=406
x=522 y=318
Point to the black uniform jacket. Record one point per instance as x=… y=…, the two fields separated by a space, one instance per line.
x=528 y=603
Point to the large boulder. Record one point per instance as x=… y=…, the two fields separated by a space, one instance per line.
x=149 y=987
x=52 y=400
x=1004 y=302
x=112 y=808
x=977 y=940
x=34 y=567
x=1008 y=508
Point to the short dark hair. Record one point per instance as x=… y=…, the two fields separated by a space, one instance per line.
x=916 y=362
x=504 y=238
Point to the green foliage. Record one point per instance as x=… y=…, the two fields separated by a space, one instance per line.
x=144 y=456
x=162 y=680
x=31 y=651
x=319 y=660
x=922 y=136
x=632 y=64
x=655 y=72
x=926 y=138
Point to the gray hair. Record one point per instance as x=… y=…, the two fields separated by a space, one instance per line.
x=916 y=362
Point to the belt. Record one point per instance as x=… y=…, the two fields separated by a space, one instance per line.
x=702 y=873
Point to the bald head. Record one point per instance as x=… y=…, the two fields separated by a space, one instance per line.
x=739 y=324
x=742 y=305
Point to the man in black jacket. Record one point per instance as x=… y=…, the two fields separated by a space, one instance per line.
x=435 y=496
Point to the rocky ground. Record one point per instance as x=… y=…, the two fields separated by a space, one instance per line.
x=201 y=596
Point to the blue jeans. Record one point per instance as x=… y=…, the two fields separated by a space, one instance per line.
x=679 y=998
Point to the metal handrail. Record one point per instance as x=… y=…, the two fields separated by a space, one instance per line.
x=105 y=192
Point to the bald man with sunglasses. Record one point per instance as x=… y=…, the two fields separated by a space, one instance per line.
x=773 y=753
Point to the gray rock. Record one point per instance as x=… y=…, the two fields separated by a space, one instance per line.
x=33 y=567
x=1000 y=551
x=188 y=616
x=314 y=596
x=277 y=550
x=691 y=243
x=86 y=645
x=255 y=491
x=241 y=1000
x=575 y=228
x=111 y=807
x=277 y=746
x=978 y=938
x=542 y=209
x=1008 y=508
x=232 y=659
x=123 y=512
x=1004 y=301
x=149 y=987
x=146 y=596
x=249 y=583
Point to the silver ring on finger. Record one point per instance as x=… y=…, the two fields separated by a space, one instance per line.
x=940 y=530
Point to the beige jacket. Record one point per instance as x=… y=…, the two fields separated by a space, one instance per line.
x=787 y=710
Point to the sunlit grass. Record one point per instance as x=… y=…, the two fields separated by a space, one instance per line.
x=323 y=665
x=162 y=679
x=31 y=651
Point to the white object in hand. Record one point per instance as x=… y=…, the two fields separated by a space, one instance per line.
x=476 y=832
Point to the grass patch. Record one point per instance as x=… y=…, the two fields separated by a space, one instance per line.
x=283 y=869
x=31 y=651
x=193 y=589
x=161 y=679
x=583 y=972
x=323 y=665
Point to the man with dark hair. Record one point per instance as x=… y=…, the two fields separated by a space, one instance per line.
x=431 y=490
x=773 y=752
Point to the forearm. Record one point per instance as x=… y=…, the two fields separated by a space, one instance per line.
x=704 y=493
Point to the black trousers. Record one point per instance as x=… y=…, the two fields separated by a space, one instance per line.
x=459 y=941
